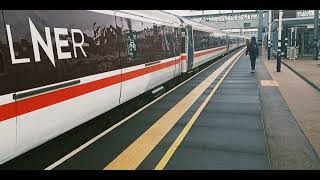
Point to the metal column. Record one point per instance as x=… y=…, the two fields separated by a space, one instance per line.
x=260 y=31
x=269 y=35
x=279 y=42
x=285 y=34
x=295 y=36
x=315 y=36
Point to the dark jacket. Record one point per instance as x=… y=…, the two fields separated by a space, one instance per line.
x=253 y=50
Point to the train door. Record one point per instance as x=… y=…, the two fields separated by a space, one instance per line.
x=8 y=120
x=190 y=47
x=178 y=66
x=183 y=50
x=162 y=74
x=160 y=51
x=134 y=73
x=228 y=43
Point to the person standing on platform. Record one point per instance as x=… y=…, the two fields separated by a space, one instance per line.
x=253 y=53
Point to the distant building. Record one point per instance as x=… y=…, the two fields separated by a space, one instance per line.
x=242 y=22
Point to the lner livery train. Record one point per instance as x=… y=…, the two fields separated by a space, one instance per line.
x=59 y=69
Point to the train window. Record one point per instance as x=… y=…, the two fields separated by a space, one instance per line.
x=155 y=29
x=133 y=34
x=219 y=41
x=154 y=41
x=211 y=41
x=136 y=39
x=177 y=41
x=197 y=36
x=100 y=46
x=205 y=43
x=202 y=40
x=148 y=42
x=167 y=41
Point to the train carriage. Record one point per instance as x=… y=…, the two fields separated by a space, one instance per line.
x=204 y=43
x=59 y=69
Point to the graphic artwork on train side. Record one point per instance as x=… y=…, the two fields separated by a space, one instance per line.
x=132 y=48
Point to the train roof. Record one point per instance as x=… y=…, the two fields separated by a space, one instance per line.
x=199 y=26
x=173 y=20
x=165 y=18
x=154 y=15
x=206 y=28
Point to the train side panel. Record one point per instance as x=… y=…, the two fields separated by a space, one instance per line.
x=184 y=49
x=59 y=69
x=135 y=77
x=7 y=106
x=164 y=69
x=204 y=56
x=80 y=81
x=208 y=46
x=149 y=55
x=178 y=45
x=188 y=56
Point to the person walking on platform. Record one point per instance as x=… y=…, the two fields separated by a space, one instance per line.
x=253 y=53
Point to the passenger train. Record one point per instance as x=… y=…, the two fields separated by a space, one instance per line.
x=59 y=69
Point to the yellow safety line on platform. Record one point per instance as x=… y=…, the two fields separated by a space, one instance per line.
x=163 y=162
x=91 y=141
x=134 y=154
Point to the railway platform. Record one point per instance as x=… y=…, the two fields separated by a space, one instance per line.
x=223 y=117
x=307 y=69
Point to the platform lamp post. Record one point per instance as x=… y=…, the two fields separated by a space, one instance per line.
x=279 y=42
x=316 y=31
x=269 y=35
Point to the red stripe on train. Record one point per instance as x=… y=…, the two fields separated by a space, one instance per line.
x=184 y=57
x=8 y=111
x=34 y=103
x=208 y=52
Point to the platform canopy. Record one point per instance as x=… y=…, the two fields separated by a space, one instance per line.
x=205 y=12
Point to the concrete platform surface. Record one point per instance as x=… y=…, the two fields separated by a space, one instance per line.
x=309 y=69
x=303 y=100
